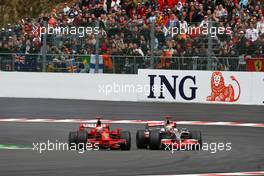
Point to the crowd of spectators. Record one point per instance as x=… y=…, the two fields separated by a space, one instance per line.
x=125 y=28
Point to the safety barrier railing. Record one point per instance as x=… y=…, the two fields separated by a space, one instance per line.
x=114 y=63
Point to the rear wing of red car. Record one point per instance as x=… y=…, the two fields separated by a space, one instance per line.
x=93 y=125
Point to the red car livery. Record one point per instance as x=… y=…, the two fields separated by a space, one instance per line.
x=100 y=135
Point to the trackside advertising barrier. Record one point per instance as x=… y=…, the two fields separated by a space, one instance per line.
x=202 y=86
x=257 y=88
x=66 y=86
x=147 y=86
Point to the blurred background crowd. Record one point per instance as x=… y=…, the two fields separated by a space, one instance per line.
x=126 y=27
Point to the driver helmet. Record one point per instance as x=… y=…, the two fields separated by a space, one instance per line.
x=167 y=122
x=98 y=123
x=169 y=127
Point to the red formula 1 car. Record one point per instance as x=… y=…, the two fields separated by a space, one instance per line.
x=101 y=136
x=165 y=135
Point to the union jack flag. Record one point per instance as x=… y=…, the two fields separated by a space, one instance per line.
x=20 y=59
x=71 y=66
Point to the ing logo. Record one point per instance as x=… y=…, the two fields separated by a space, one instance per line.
x=221 y=92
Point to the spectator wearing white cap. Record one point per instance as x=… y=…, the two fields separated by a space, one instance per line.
x=252 y=33
x=66 y=9
x=205 y=22
x=243 y=3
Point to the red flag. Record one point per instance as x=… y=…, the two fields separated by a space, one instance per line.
x=256 y=64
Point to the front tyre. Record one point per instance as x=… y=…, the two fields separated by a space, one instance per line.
x=154 y=140
x=81 y=139
x=72 y=138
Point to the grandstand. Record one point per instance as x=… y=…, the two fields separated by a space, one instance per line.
x=122 y=36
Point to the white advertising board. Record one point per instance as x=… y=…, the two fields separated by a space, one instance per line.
x=67 y=86
x=257 y=88
x=200 y=86
x=148 y=86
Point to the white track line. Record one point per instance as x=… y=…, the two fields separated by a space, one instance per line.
x=204 y=123
x=219 y=174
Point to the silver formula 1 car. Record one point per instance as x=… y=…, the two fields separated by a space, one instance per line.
x=160 y=135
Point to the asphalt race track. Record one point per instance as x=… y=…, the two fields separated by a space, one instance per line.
x=246 y=153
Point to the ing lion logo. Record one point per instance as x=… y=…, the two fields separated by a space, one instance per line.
x=221 y=92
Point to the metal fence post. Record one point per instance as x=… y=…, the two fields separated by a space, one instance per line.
x=152 y=44
x=97 y=50
x=13 y=63
x=135 y=65
x=209 y=51
x=114 y=70
x=195 y=62
x=44 y=48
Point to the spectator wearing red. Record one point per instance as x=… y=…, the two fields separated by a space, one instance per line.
x=52 y=21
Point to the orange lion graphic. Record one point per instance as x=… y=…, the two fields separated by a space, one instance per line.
x=220 y=92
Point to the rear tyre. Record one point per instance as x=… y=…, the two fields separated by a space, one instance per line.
x=141 y=140
x=154 y=140
x=82 y=139
x=126 y=136
x=198 y=136
x=72 y=138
